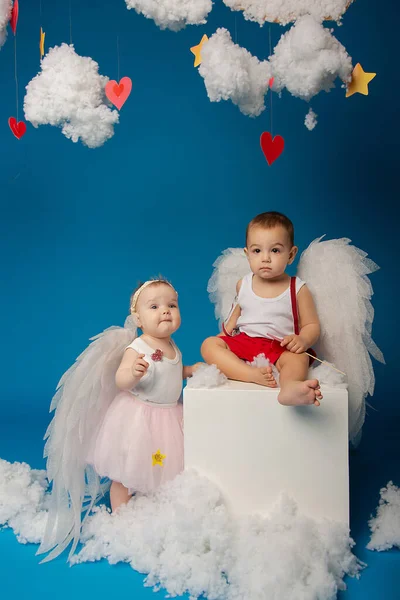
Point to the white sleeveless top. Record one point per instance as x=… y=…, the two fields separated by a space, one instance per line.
x=162 y=383
x=265 y=317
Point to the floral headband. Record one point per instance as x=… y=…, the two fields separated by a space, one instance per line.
x=144 y=286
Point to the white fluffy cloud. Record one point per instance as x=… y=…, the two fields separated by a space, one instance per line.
x=308 y=59
x=286 y=11
x=232 y=73
x=206 y=376
x=5 y=13
x=23 y=500
x=185 y=539
x=69 y=93
x=385 y=527
x=173 y=14
x=311 y=120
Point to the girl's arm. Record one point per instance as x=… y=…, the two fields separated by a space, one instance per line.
x=230 y=324
x=131 y=370
x=309 y=323
x=188 y=371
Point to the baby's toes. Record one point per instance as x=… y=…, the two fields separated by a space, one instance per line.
x=270 y=380
x=313 y=383
x=266 y=370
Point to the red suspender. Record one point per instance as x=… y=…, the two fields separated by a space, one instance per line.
x=294 y=304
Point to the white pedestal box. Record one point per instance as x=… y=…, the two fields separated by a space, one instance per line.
x=253 y=448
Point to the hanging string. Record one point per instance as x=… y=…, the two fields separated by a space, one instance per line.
x=118 y=57
x=270 y=91
x=15 y=70
x=70 y=22
x=41 y=29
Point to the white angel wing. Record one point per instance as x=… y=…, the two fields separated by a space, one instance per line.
x=83 y=396
x=231 y=266
x=336 y=274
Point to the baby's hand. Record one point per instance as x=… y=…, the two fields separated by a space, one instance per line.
x=294 y=343
x=139 y=367
x=189 y=371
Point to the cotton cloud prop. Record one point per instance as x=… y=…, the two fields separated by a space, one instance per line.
x=5 y=14
x=69 y=93
x=308 y=59
x=185 y=539
x=285 y=11
x=206 y=376
x=23 y=501
x=311 y=120
x=385 y=527
x=173 y=14
x=232 y=73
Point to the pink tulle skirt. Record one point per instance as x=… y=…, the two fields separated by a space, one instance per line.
x=139 y=445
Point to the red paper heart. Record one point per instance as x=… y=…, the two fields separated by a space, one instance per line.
x=271 y=82
x=272 y=148
x=14 y=16
x=118 y=93
x=18 y=129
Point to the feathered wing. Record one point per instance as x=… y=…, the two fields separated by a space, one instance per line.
x=231 y=266
x=337 y=276
x=83 y=396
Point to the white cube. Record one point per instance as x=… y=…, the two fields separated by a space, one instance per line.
x=253 y=448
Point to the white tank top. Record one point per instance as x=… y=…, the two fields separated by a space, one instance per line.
x=265 y=317
x=162 y=383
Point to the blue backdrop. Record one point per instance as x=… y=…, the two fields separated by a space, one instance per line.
x=175 y=186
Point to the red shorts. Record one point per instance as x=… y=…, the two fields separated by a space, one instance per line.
x=247 y=348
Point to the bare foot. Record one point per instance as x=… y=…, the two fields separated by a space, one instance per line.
x=262 y=376
x=300 y=392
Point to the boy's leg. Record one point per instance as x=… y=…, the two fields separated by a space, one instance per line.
x=295 y=387
x=216 y=352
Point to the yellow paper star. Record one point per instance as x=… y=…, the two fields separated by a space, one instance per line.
x=158 y=458
x=197 y=50
x=359 y=82
x=41 y=43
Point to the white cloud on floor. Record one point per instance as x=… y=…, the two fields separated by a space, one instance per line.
x=173 y=14
x=69 y=93
x=286 y=11
x=185 y=539
x=308 y=59
x=5 y=13
x=23 y=500
x=385 y=527
x=232 y=73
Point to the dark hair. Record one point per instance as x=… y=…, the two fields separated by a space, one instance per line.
x=271 y=219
